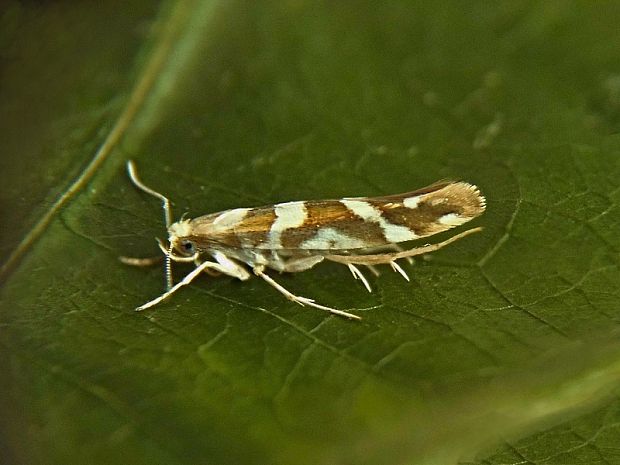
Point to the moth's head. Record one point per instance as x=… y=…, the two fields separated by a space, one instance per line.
x=179 y=235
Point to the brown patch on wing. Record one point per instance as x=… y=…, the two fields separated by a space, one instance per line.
x=332 y=214
x=207 y=242
x=251 y=231
x=254 y=229
x=436 y=201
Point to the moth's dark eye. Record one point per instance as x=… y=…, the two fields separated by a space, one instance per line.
x=188 y=246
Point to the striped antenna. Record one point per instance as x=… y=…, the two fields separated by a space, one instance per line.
x=133 y=175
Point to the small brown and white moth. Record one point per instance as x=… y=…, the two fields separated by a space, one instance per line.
x=296 y=236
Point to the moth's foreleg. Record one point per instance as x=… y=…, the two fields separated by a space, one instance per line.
x=231 y=267
x=260 y=271
x=184 y=282
x=209 y=271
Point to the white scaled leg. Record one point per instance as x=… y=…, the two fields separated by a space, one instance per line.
x=373 y=269
x=398 y=248
x=396 y=267
x=184 y=282
x=357 y=274
x=259 y=271
x=232 y=268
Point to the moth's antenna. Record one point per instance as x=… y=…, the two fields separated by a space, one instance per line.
x=133 y=175
x=168 y=268
x=167 y=261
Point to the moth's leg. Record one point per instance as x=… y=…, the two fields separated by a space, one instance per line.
x=148 y=261
x=387 y=258
x=295 y=265
x=189 y=277
x=373 y=269
x=385 y=248
x=259 y=270
x=231 y=267
x=398 y=248
x=357 y=274
x=209 y=271
x=134 y=261
x=396 y=267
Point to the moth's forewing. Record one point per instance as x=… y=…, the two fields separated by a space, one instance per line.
x=345 y=224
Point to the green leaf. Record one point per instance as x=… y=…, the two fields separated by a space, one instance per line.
x=502 y=348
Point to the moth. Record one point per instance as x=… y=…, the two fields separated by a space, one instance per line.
x=296 y=236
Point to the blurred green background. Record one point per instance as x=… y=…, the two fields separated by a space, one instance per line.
x=502 y=350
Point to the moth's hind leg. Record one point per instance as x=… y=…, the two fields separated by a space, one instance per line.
x=357 y=274
x=396 y=267
x=259 y=270
x=305 y=263
x=398 y=248
x=390 y=258
x=385 y=249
